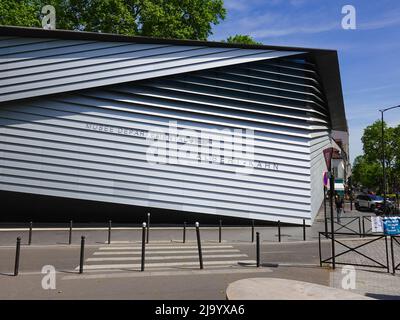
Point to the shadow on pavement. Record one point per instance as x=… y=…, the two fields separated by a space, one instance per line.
x=382 y=296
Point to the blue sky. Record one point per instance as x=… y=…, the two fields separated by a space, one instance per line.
x=369 y=56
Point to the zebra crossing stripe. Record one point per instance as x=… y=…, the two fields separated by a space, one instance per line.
x=149 y=247
x=162 y=264
x=167 y=257
x=160 y=252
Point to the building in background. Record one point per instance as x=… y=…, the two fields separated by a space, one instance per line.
x=154 y=123
x=341 y=166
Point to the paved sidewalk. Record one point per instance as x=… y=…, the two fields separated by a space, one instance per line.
x=374 y=284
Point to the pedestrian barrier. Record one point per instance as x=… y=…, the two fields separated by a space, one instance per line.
x=356 y=250
x=349 y=225
x=394 y=240
x=145 y=240
x=368 y=231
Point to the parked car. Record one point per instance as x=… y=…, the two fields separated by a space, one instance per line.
x=368 y=202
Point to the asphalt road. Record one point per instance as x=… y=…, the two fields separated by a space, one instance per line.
x=174 y=278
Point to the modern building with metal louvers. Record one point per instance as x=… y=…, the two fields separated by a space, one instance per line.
x=151 y=122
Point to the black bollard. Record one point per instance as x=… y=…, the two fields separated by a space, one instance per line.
x=30 y=233
x=279 y=230
x=184 y=232
x=148 y=227
x=143 y=245
x=17 y=252
x=304 y=229
x=82 y=257
x=220 y=231
x=109 y=231
x=70 y=232
x=199 y=245
x=252 y=231
x=258 y=249
x=363 y=227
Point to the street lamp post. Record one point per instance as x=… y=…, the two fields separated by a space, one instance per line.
x=383 y=153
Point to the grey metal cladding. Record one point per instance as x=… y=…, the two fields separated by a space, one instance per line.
x=33 y=67
x=91 y=144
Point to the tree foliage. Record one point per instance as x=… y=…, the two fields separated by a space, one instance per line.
x=242 y=39
x=367 y=169
x=180 y=19
x=367 y=174
x=19 y=13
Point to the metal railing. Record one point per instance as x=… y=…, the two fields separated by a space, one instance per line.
x=377 y=264
x=338 y=225
x=394 y=240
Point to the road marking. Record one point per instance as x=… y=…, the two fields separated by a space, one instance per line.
x=160 y=252
x=164 y=273
x=149 y=247
x=167 y=257
x=160 y=264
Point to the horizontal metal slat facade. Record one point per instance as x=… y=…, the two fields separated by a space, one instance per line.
x=93 y=144
x=34 y=67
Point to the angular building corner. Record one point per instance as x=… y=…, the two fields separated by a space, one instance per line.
x=82 y=113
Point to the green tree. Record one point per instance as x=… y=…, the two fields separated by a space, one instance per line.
x=367 y=169
x=19 y=13
x=372 y=143
x=242 y=39
x=366 y=174
x=181 y=19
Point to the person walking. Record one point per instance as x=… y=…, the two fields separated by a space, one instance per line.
x=339 y=206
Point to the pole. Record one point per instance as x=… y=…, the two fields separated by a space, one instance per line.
x=319 y=248
x=363 y=226
x=392 y=253
x=184 y=232
x=30 y=233
x=70 y=232
x=220 y=231
x=331 y=191
x=148 y=227
x=383 y=163
x=109 y=231
x=279 y=230
x=351 y=199
x=304 y=229
x=17 y=253
x=326 y=220
x=82 y=254
x=258 y=249
x=199 y=245
x=143 y=245
x=252 y=231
